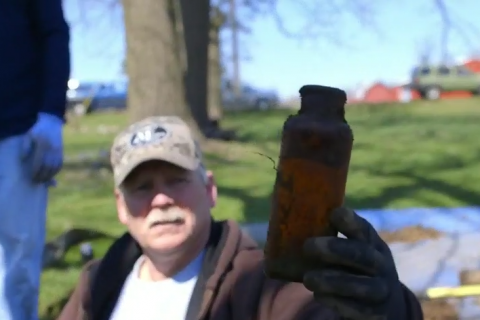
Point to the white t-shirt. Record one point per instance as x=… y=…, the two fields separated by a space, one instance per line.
x=167 y=299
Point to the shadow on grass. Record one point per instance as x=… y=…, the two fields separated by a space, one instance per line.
x=55 y=250
x=386 y=120
x=389 y=195
x=262 y=135
x=53 y=310
x=422 y=177
x=267 y=127
x=255 y=127
x=256 y=209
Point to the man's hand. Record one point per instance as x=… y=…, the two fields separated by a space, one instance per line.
x=43 y=144
x=358 y=278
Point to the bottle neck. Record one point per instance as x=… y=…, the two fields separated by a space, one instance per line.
x=323 y=112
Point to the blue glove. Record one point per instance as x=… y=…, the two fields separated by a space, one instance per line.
x=44 y=145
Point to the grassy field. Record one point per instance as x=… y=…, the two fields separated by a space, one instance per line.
x=424 y=154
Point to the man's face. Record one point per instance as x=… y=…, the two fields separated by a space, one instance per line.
x=165 y=207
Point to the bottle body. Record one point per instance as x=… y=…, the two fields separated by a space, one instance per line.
x=310 y=183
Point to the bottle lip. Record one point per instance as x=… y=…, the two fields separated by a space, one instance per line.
x=333 y=93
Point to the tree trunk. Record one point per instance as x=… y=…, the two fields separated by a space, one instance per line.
x=196 y=21
x=156 y=60
x=215 y=108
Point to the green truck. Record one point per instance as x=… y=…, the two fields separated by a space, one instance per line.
x=431 y=81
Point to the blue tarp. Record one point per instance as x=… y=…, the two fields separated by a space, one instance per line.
x=436 y=262
x=446 y=220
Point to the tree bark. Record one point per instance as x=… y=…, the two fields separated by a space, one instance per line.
x=215 y=109
x=156 y=60
x=196 y=21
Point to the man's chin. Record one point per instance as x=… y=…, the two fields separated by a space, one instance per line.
x=169 y=242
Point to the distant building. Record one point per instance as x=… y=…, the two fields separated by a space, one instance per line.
x=473 y=65
x=379 y=93
x=382 y=93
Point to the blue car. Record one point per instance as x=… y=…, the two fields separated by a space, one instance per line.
x=96 y=97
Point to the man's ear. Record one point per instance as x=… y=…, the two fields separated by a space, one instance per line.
x=122 y=211
x=212 y=190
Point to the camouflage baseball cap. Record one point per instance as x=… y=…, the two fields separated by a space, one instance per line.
x=165 y=138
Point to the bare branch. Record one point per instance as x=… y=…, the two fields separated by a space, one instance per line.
x=453 y=23
x=95 y=18
x=324 y=19
x=446 y=28
x=424 y=50
x=467 y=31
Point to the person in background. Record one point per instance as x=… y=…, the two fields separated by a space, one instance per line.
x=177 y=263
x=34 y=75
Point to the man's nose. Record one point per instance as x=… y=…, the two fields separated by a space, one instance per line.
x=161 y=198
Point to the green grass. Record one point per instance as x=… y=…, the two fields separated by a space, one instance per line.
x=422 y=154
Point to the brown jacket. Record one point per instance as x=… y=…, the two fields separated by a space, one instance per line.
x=232 y=285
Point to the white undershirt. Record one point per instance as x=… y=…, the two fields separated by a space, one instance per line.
x=161 y=300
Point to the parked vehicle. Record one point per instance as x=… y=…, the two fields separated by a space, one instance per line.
x=93 y=97
x=79 y=95
x=431 y=81
x=249 y=99
x=109 y=97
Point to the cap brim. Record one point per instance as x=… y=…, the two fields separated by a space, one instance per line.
x=134 y=163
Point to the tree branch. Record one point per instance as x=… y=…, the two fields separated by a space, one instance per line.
x=323 y=19
x=453 y=22
x=446 y=28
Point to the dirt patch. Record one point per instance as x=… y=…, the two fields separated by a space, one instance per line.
x=410 y=234
x=439 y=310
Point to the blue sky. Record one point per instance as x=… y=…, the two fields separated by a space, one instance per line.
x=385 y=52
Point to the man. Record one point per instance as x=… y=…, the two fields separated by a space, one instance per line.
x=176 y=263
x=33 y=83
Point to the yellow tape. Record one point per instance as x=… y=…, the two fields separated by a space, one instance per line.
x=447 y=292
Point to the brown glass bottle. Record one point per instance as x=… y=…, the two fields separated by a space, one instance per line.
x=311 y=179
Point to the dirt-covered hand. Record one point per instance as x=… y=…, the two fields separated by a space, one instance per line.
x=356 y=276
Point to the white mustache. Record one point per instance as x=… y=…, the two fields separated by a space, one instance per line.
x=167 y=216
